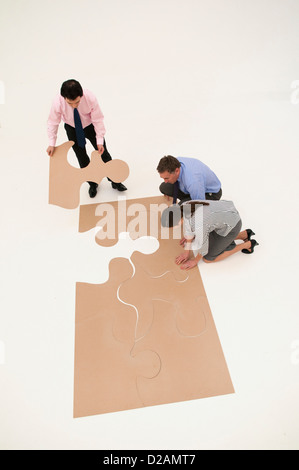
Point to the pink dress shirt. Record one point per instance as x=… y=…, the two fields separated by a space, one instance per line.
x=89 y=111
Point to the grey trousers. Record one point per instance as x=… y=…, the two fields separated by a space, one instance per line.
x=167 y=189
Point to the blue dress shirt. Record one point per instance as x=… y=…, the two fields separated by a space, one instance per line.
x=197 y=179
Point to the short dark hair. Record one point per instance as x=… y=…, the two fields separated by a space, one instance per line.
x=169 y=164
x=71 y=89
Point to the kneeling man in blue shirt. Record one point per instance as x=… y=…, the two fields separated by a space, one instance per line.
x=188 y=179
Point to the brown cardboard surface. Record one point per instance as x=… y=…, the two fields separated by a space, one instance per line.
x=138 y=217
x=106 y=368
x=142 y=289
x=191 y=367
x=65 y=180
x=170 y=347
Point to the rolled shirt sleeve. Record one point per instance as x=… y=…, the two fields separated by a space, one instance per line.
x=196 y=226
x=200 y=241
x=188 y=233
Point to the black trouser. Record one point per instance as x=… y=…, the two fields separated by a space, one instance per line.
x=80 y=152
x=167 y=189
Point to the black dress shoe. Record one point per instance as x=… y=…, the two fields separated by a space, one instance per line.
x=93 y=190
x=250 y=233
x=119 y=186
x=251 y=249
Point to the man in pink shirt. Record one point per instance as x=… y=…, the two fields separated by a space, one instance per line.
x=83 y=118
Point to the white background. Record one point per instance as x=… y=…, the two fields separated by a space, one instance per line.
x=205 y=79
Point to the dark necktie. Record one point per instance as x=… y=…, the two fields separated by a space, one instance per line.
x=79 y=129
x=175 y=192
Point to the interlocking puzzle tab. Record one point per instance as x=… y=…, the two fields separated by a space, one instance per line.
x=142 y=289
x=65 y=180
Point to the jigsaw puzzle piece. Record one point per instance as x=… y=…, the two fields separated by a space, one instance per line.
x=139 y=291
x=186 y=297
x=161 y=261
x=106 y=371
x=65 y=180
x=108 y=231
x=191 y=368
x=144 y=217
x=138 y=217
x=94 y=299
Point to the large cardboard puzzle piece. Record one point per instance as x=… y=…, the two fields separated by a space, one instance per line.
x=164 y=314
x=65 y=180
x=139 y=217
x=180 y=328
x=191 y=367
x=187 y=297
x=106 y=368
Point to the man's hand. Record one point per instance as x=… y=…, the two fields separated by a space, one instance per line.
x=50 y=150
x=101 y=149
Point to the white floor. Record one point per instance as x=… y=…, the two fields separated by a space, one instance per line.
x=213 y=80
